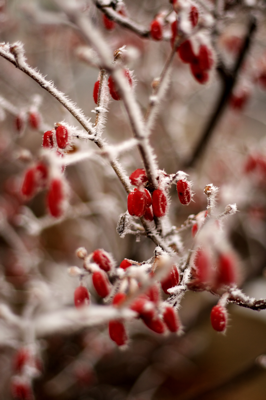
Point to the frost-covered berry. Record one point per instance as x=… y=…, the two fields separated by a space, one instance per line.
x=156 y=30
x=156 y=325
x=203 y=267
x=144 y=307
x=34 y=119
x=108 y=23
x=96 y=91
x=153 y=293
x=159 y=203
x=125 y=264
x=138 y=177
x=118 y=299
x=81 y=297
x=41 y=174
x=101 y=283
x=136 y=203
x=170 y=319
x=117 y=332
x=194 y=16
x=226 y=270
x=48 y=140
x=112 y=86
x=56 y=198
x=29 y=185
x=103 y=259
x=184 y=191
x=171 y=280
x=219 y=318
x=62 y=136
x=199 y=74
x=186 y=52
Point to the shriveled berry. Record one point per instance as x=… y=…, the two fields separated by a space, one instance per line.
x=96 y=91
x=171 y=280
x=81 y=297
x=200 y=75
x=156 y=325
x=156 y=30
x=184 y=191
x=170 y=319
x=125 y=264
x=148 y=214
x=226 y=270
x=48 y=140
x=194 y=16
x=103 y=259
x=219 y=318
x=117 y=332
x=29 y=185
x=138 y=177
x=136 y=203
x=34 y=119
x=101 y=283
x=62 y=136
x=108 y=23
x=55 y=198
x=186 y=52
x=159 y=203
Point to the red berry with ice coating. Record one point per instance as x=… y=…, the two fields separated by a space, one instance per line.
x=184 y=191
x=56 y=198
x=101 y=283
x=48 y=140
x=96 y=91
x=81 y=297
x=186 y=52
x=117 y=332
x=138 y=177
x=170 y=319
x=125 y=264
x=171 y=280
x=29 y=184
x=136 y=203
x=156 y=30
x=103 y=259
x=144 y=307
x=108 y=23
x=219 y=318
x=34 y=119
x=159 y=203
x=62 y=136
x=194 y=16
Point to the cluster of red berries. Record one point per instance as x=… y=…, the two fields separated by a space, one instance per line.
x=114 y=92
x=33 y=118
x=156 y=315
x=59 y=137
x=21 y=382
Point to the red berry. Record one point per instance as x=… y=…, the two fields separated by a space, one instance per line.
x=118 y=299
x=155 y=325
x=143 y=307
x=174 y=27
x=194 y=229
x=29 y=185
x=20 y=122
x=101 y=283
x=112 y=86
x=21 y=389
x=117 y=332
x=125 y=264
x=148 y=198
x=203 y=267
x=108 y=23
x=219 y=318
x=136 y=203
x=41 y=173
x=186 y=52
x=138 y=177
x=21 y=358
x=55 y=198
x=96 y=91
x=81 y=297
x=171 y=280
x=194 y=16
x=170 y=319
x=200 y=75
x=184 y=192
x=226 y=270
x=34 y=119
x=153 y=294
x=156 y=30
x=62 y=136
x=48 y=140
x=159 y=203
x=148 y=214
x=205 y=58
x=103 y=259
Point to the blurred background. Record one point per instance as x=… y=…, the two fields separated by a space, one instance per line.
x=35 y=250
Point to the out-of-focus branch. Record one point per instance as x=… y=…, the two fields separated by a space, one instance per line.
x=229 y=80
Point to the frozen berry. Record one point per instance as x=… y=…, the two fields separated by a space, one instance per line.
x=55 y=198
x=170 y=319
x=226 y=270
x=136 y=203
x=101 y=283
x=103 y=259
x=48 y=140
x=159 y=203
x=117 y=332
x=62 y=136
x=148 y=215
x=219 y=318
x=125 y=264
x=138 y=177
x=81 y=297
x=156 y=30
x=184 y=191
x=171 y=280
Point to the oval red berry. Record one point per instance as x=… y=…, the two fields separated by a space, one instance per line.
x=62 y=136
x=159 y=203
x=170 y=319
x=171 y=280
x=117 y=332
x=219 y=318
x=156 y=30
x=101 y=283
x=29 y=184
x=81 y=297
x=48 y=140
x=103 y=259
x=138 y=177
x=55 y=198
x=184 y=192
x=96 y=91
